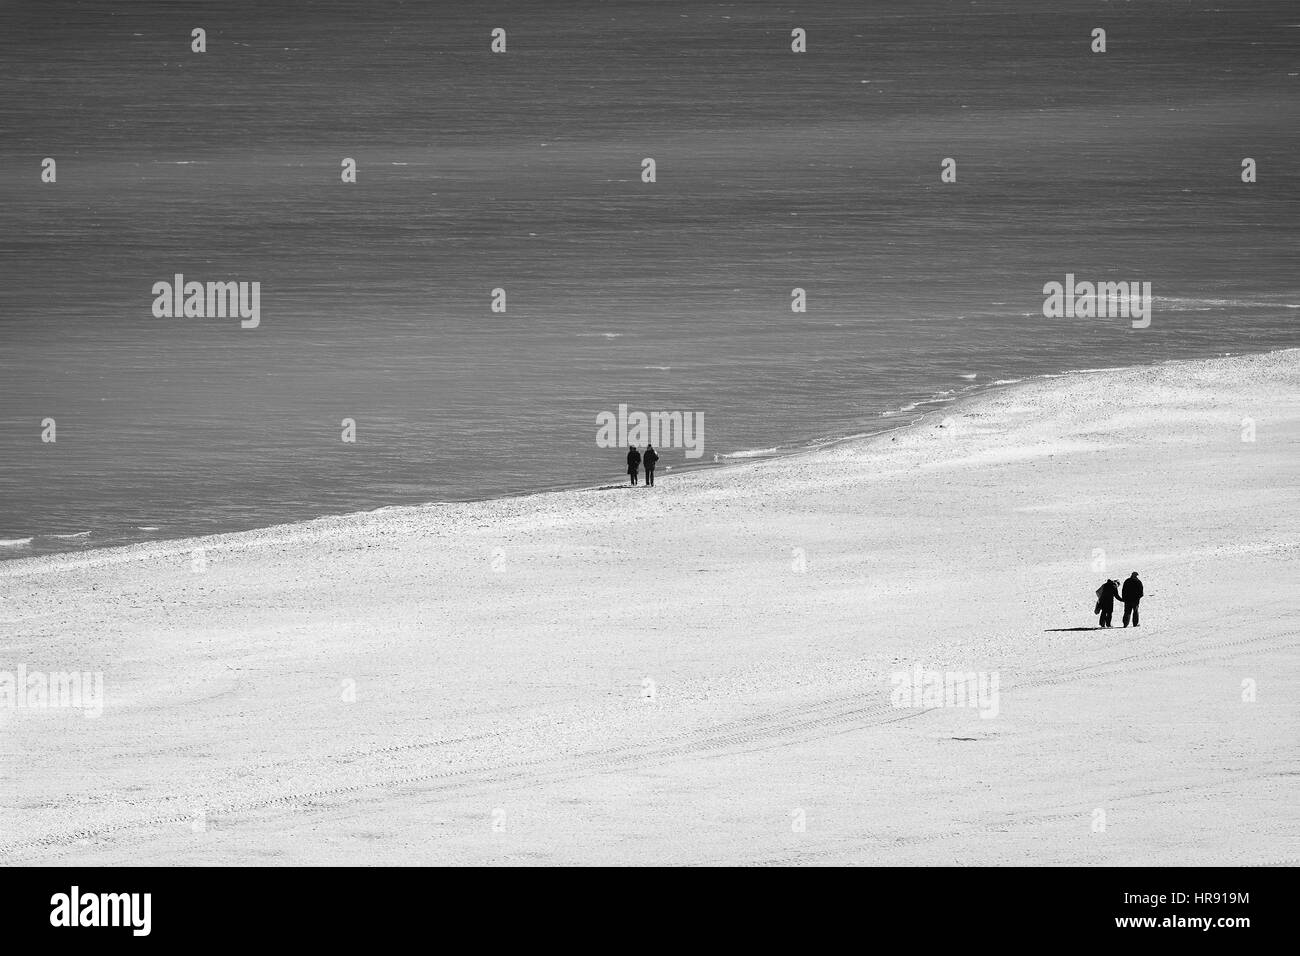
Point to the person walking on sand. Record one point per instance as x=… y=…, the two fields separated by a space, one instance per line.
x=633 y=462
x=649 y=458
x=1131 y=595
x=1107 y=595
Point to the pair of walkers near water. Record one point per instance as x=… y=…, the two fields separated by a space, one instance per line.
x=636 y=459
x=1130 y=595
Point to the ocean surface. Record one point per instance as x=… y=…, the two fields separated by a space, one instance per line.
x=522 y=171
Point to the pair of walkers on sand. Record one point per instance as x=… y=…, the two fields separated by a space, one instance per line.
x=1130 y=595
x=648 y=458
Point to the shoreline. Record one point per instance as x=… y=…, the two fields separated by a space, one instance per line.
x=171 y=546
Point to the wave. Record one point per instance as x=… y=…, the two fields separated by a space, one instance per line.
x=1192 y=304
x=751 y=453
x=14 y=542
x=939 y=398
x=78 y=534
x=841 y=439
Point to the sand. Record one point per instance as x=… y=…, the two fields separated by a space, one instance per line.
x=701 y=673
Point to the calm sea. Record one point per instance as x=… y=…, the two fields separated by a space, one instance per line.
x=522 y=171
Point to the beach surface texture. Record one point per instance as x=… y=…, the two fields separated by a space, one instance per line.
x=717 y=670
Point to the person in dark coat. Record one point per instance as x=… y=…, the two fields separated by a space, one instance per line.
x=1107 y=595
x=649 y=458
x=1131 y=595
x=633 y=463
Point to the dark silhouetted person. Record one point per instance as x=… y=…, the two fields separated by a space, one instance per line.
x=1107 y=595
x=633 y=463
x=648 y=459
x=1131 y=595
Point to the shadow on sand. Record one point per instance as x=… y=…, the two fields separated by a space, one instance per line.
x=1052 y=630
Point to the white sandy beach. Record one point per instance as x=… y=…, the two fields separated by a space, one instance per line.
x=644 y=676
